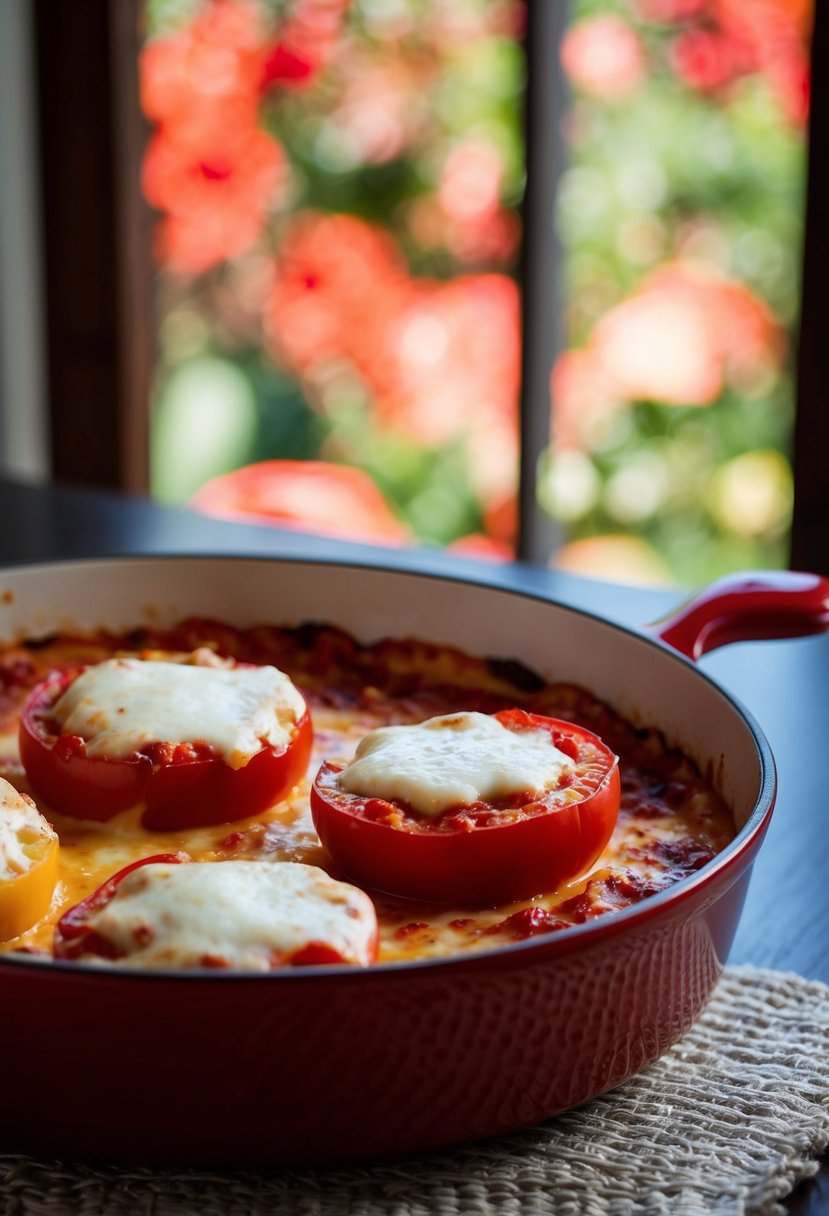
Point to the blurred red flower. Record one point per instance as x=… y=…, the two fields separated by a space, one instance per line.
x=453 y=370
x=204 y=79
x=775 y=34
x=484 y=548
x=213 y=203
x=704 y=60
x=286 y=64
x=745 y=329
x=659 y=345
x=304 y=495
x=501 y=519
x=582 y=393
x=470 y=182
x=682 y=334
x=455 y=356
x=670 y=10
x=466 y=216
x=307 y=40
x=440 y=360
x=735 y=39
x=209 y=170
x=336 y=280
x=604 y=57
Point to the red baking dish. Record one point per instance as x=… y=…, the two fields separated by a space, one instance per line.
x=326 y=1064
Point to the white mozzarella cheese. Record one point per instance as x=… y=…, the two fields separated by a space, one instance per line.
x=119 y=705
x=453 y=760
x=253 y=915
x=21 y=826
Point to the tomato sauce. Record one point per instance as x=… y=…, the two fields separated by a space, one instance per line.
x=671 y=820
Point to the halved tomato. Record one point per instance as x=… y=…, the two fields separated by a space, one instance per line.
x=181 y=784
x=248 y=915
x=483 y=852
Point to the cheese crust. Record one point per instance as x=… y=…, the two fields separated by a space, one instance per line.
x=23 y=832
x=248 y=915
x=120 y=705
x=671 y=820
x=453 y=759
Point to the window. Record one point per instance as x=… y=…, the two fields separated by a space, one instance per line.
x=338 y=187
x=680 y=214
x=397 y=124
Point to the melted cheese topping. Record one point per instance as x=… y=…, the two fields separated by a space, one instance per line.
x=21 y=826
x=453 y=760
x=253 y=915
x=349 y=697
x=120 y=705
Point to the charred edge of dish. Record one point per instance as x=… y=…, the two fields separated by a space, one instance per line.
x=515 y=673
x=137 y=637
x=309 y=632
x=29 y=643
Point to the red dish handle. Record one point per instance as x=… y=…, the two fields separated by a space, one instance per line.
x=747 y=607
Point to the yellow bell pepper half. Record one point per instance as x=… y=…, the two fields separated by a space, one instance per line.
x=28 y=863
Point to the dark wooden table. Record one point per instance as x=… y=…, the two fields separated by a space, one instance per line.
x=785 y=684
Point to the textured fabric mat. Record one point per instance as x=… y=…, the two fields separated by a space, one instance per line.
x=726 y=1124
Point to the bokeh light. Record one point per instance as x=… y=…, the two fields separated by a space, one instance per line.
x=338 y=185
x=680 y=213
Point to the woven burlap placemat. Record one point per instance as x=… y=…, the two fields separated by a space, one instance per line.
x=726 y=1124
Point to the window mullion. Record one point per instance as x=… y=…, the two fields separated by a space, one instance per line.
x=541 y=262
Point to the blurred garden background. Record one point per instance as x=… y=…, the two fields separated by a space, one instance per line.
x=338 y=189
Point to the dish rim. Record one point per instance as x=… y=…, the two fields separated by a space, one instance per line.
x=747 y=838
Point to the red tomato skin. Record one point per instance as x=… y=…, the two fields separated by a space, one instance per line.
x=316 y=954
x=73 y=937
x=193 y=793
x=483 y=866
x=75 y=784
x=205 y=792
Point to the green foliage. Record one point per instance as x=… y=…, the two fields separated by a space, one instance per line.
x=663 y=171
x=714 y=177
x=467 y=89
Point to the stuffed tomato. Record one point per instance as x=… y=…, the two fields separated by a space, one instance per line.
x=247 y=915
x=194 y=742
x=469 y=808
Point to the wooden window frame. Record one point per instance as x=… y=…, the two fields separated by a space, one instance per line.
x=96 y=238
